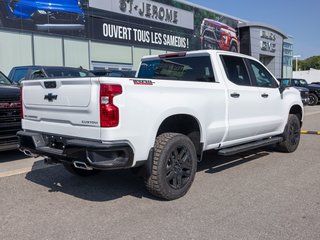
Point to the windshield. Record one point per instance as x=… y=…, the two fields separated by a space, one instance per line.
x=4 y=80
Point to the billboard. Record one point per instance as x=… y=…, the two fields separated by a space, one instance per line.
x=161 y=24
x=48 y=16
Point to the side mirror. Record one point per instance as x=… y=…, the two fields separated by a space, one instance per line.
x=282 y=88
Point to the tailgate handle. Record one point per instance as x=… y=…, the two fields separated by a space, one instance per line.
x=51 y=84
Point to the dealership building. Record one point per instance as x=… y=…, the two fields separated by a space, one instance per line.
x=100 y=34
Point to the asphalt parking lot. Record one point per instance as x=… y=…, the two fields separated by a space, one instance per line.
x=257 y=195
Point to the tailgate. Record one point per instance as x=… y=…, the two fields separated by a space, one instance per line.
x=62 y=106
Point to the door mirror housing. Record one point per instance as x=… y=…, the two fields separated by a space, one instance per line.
x=282 y=88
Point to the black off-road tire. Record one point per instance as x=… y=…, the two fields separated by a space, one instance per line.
x=79 y=172
x=174 y=166
x=313 y=99
x=291 y=135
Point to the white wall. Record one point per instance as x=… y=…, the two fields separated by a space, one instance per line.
x=138 y=53
x=102 y=52
x=15 y=50
x=312 y=75
x=76 y=53
x=48 y=51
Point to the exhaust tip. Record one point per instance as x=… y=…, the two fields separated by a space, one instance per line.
x=28 y=153
x=82 y=165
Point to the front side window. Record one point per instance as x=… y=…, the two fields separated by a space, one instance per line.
x=296 y=82
x=236 y=70
x=262 y=76
x=183 y=68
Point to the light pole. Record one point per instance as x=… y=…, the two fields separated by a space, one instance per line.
x=296 y=57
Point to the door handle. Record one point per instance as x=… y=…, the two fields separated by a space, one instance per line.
x=264 y=95
x=235 y=95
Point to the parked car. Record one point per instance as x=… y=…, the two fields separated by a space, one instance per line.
x=160 y=123
x=10 y=119
x=314 y=89
x=43 y=15
x=17 y=74
x=304 y=92
x=114 y=73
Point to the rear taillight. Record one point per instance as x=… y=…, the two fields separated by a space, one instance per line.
x=109 y=113
x=21 y=103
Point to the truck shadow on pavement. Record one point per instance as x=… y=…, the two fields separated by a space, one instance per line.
x=221 y=163
x=12 y=155
x=110 y=185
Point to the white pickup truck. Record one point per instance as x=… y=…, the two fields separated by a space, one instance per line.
x=160 y=123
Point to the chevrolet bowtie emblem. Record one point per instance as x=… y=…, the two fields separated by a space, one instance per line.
x=50 y=97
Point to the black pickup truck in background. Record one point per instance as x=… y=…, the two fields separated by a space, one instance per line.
x=314 y=89
x=10 y=114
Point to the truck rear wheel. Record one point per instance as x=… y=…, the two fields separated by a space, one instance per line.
x=79 y=172
x=174 y=166
x=291 y=135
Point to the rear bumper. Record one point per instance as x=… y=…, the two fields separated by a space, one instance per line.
x=95 y=154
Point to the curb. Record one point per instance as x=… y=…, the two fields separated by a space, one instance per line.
x=310 y=132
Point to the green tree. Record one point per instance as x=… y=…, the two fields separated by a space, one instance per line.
x=312 y=62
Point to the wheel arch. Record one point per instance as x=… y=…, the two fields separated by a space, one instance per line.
x=185 y=124
x=297 y=110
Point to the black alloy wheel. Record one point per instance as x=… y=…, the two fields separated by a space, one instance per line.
x=313 y=99
x=179 y=167
x=294 y=133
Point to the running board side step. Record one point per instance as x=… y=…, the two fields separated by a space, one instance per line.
x=249 y=146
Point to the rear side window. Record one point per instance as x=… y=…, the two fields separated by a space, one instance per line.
x=186 y=68
x=236 y=70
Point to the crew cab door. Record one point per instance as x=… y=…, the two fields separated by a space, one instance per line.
x=269 y=98
x=243 y=100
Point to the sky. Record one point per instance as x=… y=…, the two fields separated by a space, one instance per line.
x=297 y=18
